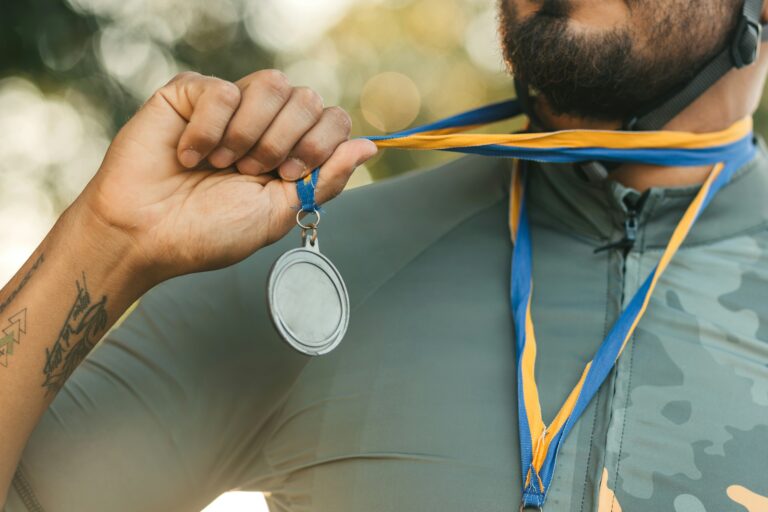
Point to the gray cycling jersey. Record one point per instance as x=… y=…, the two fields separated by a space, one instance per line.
x=194 y=393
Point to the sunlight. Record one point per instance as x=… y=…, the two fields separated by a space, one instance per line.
x=238 y=502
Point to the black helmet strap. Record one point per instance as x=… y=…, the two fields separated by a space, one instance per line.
x=742 y=52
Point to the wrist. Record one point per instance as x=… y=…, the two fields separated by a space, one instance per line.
x=106 y=252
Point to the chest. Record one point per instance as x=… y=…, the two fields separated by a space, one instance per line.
x=417 y=407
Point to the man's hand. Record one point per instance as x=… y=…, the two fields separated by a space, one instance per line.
x=188 y=180
x=185 y=186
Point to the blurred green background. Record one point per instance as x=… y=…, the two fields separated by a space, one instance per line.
x=73 y=71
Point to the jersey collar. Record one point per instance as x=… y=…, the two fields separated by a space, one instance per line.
x=560 y=199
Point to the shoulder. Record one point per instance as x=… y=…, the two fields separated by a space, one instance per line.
x=371 y=231
x=463 y=184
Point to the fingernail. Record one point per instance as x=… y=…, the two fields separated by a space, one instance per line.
x=189 y=158
x=222 y=157
x=293 y=169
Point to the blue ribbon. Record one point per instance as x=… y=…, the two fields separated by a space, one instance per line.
x=306 y=191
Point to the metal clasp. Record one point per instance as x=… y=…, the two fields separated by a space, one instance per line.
x=309 y=230
x=309 y=239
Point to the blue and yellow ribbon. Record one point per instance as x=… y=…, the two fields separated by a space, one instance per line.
x=726 y=151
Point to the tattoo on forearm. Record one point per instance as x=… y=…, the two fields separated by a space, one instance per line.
x=82 y=329
x=23 y=282
x=12 y=335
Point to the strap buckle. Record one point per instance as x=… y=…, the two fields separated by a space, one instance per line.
x=746 y=43
x=592 y=171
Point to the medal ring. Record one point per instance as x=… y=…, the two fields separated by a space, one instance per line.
x=311 y=225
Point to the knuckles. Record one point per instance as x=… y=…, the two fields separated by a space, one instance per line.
x=317 y=147
x=224 y=91
x=184 y=75
x=309 y=101
x=270 y=153
x=204 y=136
x=238 y=137
x=276 y=82
x=227 y=93
x=313 y=151
x=341 y=118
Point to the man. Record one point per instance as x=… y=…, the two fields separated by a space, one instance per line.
x=194 y=393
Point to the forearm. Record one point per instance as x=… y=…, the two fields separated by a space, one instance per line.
x=80 y=279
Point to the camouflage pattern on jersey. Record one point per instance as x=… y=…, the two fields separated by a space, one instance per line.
x=687 y=426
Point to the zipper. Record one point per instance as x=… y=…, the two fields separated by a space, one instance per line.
x=630 y=235
x=634 y=205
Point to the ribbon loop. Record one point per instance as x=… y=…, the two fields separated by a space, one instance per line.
x=305 y=189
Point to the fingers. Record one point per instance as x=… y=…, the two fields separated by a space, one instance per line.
x=213 y=102
x=302 y=112
x=280 y=127
x=336 y=171
x=264 y=94
x=317 y=145
x=259 y=124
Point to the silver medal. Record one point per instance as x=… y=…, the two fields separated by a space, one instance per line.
x=307 y=298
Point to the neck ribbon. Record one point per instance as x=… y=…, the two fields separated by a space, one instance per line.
x=726 y=151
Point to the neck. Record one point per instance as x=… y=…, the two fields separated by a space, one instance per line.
x=734 y=97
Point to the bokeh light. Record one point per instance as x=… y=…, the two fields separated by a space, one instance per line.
x=73 y=72
x=390 y=101
x=73 y=75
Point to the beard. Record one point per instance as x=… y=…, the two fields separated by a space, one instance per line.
x=604 y=75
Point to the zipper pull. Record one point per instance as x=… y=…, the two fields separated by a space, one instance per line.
x=630 y=230
x=630 y=235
